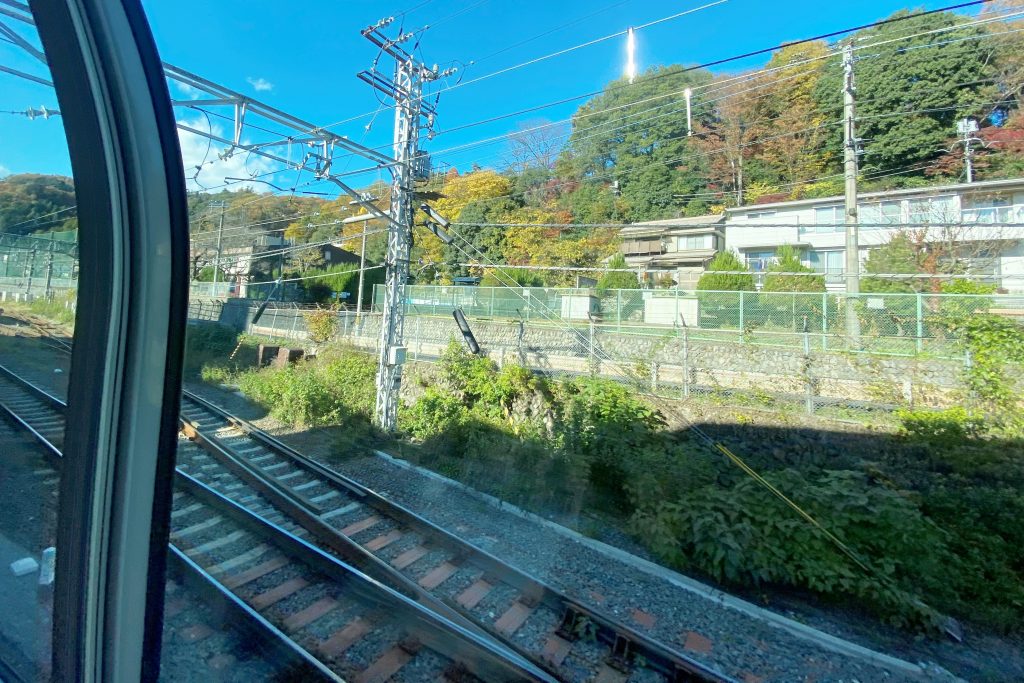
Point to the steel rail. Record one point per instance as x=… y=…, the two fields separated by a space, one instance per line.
x=625 y=642
x=233 y=612
x=306 y=514
x=476 y=653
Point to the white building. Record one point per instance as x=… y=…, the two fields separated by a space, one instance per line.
x=984 y=217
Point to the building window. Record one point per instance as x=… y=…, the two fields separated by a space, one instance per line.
x=753 y=215
x=758 y=261
x=829 y=219
x=640 y=247
x=920 y=211
x=877 y=216
x=989 y=210
x=685 y=242
x=831 y=262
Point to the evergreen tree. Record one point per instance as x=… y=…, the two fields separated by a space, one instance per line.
x=617 y=279
x=912 y=88
x=789 y=262
x=715 y=280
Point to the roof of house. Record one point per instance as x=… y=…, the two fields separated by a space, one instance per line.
x=652 y=227
x=980 y=186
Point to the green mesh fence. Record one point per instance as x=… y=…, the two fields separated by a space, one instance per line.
x=899 y=324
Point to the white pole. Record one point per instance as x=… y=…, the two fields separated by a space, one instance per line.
x=630 y=55
x=688 y=94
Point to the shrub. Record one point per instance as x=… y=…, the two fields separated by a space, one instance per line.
x=744 y=535
x=789 y=262
x=615 y=279
x=522 y=277
x=322 y=324
x=996 y=344
x=601 y=425
x=335 y=389
x=942 y=429
x=722 y=310
x=60 y=309
x=963 y=286
x=714 y=280
x=208 y=344
x=434 y=414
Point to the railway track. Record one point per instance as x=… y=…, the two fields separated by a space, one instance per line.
x=572 y=640
x=559 y=635
x=319 y=614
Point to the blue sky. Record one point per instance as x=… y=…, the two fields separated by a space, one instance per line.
x=302 y=57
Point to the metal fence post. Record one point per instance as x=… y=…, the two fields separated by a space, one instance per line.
x=618 y=310
x=824 y=321
x=492 y=301
x=808 y=384
x=741 y=317
x=593 y=367
x=419 y=342
x=295 y=319
x=686 y=362
x=920 y=323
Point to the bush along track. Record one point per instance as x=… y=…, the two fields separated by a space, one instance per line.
x=588 y=445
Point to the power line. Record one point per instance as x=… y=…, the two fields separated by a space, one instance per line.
x=588 y=43
x=715 y=86
x=707 y=153
x=716 y=62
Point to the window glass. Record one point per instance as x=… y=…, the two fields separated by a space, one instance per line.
x=38 y=293
x=921 y=211
x=694 y=242
x=827 y=261
x=828 y=219
x=759 y=261
x=989 y=210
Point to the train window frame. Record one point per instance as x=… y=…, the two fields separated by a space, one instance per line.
x=125 y=380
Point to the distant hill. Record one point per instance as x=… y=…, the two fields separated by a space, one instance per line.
x=34 y=203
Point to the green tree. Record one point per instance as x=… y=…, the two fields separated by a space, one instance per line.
x=30 y=202
x=714 y=279
x=788 y=261
x=897 y=256
x=206 y=275
x=614 y=279
x=912 y=88
x=637 y=136
x=794 y=138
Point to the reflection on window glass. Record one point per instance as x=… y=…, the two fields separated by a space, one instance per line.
x=38 y=286
x=829 y=219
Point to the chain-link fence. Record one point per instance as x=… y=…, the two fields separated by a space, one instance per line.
x=898 y=324
x=905 y=354
x=35 y=286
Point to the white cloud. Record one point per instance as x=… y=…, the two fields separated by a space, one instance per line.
x=261 y=84
x=205 y=169
x=187 y=90
x=4 y=171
